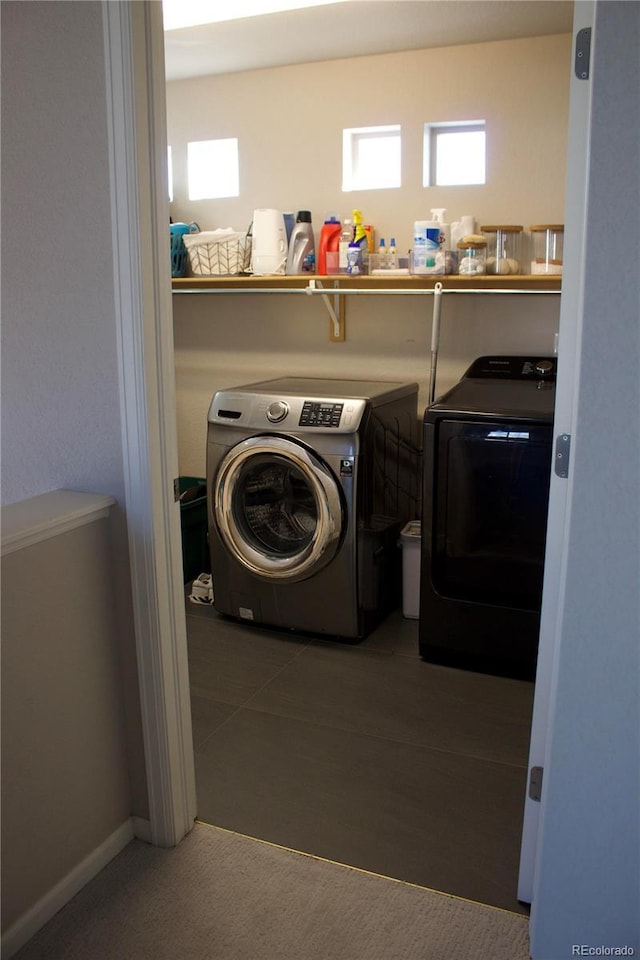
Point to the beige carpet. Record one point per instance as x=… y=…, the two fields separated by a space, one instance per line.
x=222 y=896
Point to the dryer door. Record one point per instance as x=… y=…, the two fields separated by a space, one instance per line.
x=278 y=507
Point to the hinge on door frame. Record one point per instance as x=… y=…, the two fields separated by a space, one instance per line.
x=561 y=459
x=176 y=489
x=583 y=53
x=535 y=783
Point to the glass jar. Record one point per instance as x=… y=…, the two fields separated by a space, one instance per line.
x=504 y=248
x=548 y=241
x=472 y=255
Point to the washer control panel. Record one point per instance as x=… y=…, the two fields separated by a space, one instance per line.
x=320 y=413
x=262 y=410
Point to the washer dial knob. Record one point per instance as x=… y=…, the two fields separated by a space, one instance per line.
x=277 y=411
x=544 y=367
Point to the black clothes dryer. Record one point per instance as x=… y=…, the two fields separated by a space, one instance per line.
x=487 y=464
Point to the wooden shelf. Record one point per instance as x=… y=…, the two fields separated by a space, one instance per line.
x=530 y=283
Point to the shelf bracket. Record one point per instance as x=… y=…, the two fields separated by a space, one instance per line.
x=336 y=310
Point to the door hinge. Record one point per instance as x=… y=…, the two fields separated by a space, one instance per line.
x=535 y=783
x=563 y=450
x=176 y=489
x=583 y=53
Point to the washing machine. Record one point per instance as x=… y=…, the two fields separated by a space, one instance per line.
x=487 y=469
x=309 y=483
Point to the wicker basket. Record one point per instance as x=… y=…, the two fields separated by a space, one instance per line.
x=179 y=257
x=218 y=253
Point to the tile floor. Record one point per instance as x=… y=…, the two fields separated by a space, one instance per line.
x=363 y=754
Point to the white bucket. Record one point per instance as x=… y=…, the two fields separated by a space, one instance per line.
x=410 y=538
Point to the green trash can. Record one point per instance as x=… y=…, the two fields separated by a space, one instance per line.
x=193 y=521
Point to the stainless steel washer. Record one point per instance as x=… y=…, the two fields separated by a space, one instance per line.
x=309 y=483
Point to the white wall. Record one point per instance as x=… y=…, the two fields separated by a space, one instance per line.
x=60 y=409
x=65 y=786
x=224 y=341
x=289 y=122
x=60 y=378
x=588 y=871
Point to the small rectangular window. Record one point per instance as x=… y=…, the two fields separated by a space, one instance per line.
x=454 y=153
x=371 y=158
x=212 y=167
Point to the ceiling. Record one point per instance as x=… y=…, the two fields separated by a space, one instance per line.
x=357 y=28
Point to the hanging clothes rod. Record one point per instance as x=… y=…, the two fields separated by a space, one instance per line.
x=316 y=288
x=351 y=291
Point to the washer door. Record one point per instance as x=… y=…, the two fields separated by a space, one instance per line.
x=278 y=508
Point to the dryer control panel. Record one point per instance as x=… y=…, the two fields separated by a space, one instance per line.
x=512 y=368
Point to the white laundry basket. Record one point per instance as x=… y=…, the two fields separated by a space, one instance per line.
x=410 y=543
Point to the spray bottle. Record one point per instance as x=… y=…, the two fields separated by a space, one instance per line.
x=445 y=236
x=360 y=234
x=360 y=239
x=445 y=233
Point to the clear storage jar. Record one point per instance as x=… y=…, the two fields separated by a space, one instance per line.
x=548 y=242
x=504 y=248
x=472 y=256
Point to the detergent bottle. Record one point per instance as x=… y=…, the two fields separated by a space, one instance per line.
x=328 y=243
x=301 y=257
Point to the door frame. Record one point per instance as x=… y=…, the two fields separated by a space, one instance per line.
x=569 y=337
x=136 y=89
x=137 y=136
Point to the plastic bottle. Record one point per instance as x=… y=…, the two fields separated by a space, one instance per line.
x=328 y=243
x=346 y=238
x=354 y=259
x=301 y=257
x=382 y=261
x=445 y=233
x=463 y=227
x=370 y=230
x=360 y=234
x=363 y=239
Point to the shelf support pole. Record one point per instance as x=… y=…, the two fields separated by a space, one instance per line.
x=335 y=310
x=435 y=339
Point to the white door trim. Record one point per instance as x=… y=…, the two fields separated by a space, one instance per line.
x=135 y=81
x=569 y=339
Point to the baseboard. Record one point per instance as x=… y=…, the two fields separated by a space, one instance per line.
x=142 y=829
x=42 y=911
